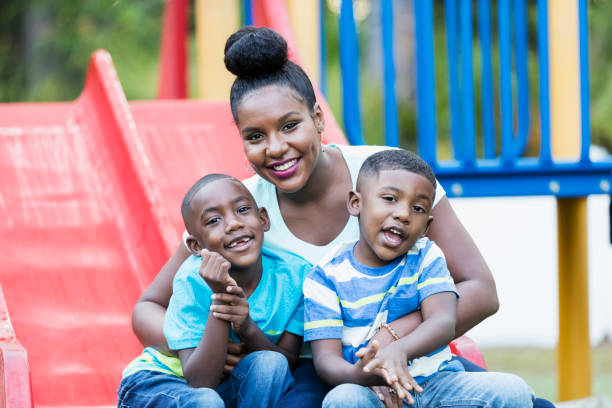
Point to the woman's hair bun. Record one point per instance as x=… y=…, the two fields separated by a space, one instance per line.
x=255 y=51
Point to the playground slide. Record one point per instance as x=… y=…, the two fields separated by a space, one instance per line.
x=90 y=199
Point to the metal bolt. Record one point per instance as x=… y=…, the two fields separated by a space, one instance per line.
x=457 y=189
x=554 y=187
x=605 y=186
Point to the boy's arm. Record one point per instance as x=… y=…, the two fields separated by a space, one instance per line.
x=334 y=369
x=203 y=365
x=436 y=331
x=234 y=308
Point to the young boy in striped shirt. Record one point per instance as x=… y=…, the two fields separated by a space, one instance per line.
x=393 y=270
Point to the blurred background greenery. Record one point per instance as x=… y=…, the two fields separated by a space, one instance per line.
x=45 y=47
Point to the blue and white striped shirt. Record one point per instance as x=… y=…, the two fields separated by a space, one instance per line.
x=346 y=300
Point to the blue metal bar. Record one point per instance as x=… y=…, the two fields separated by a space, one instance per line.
x=486 y=90
x=450 y=17
x=583 y=27
x=322 y=49
x=349 y=64
x=543 y=80
x=391 y=125
x=247 y=12
x=467 y=84
x=522 y=76
x=426 y=86
x=505 y=79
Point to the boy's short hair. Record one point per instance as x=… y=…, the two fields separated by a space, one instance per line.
x=209 y=178
x=395 y=159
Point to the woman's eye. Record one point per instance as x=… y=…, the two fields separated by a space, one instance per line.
x=289 y=126
x=213 y=220
x=244 y=209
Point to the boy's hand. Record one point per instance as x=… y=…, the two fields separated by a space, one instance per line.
x=235 y=353
x=391 y=363
x=235 y=309
x=215 y=271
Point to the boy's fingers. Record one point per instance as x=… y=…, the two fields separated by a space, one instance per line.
x=235 y=348
x=224 y=316
x=372 y=364
x=236 y=290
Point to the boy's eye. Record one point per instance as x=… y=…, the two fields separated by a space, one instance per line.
x=289 y=126
x=389 y=198
x=253 y=137
x=418 y=209
x=243 y=209
x=212 y=220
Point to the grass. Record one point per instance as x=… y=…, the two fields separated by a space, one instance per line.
x=538 y=367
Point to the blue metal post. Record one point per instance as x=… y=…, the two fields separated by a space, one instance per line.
x=467 y=84
x=450 y=17
x=247 y=12
x=583 y=44
x=426 y=86
x=522 y=76
x=505 y=79
x=544 y=81
x=391 y=125
x=486 y=79
x=323 y=66
x=349 y=64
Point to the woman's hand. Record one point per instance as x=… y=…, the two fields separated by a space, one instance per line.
x=387 y=395
x=215 y=271
x=234 y=309
x=235 y=353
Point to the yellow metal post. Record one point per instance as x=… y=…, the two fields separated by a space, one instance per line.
x=215 y=21
x=304 y=17
x=573 y=349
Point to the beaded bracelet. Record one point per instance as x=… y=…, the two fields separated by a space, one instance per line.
x=391 y=331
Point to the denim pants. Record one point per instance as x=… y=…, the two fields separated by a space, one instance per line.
x=259 y=380
x=446 y=389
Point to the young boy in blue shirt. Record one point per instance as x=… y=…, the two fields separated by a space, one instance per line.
x=232 y=288
x=391 y=271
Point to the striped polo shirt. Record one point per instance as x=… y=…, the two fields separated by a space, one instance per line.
x=347 y=300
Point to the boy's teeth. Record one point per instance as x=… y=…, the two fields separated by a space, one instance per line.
x=395 y=231
x=233 y=244
x=285 y=166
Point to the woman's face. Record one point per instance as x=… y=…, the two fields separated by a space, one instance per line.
x=280 y=136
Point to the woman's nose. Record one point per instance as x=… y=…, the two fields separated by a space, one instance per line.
x=277 y=145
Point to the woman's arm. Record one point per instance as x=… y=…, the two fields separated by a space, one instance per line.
x=478 y=295
x=150 y=310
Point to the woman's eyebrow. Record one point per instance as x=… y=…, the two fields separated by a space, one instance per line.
x=286 y=115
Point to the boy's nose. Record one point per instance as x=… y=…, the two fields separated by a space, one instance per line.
x=232 y=225
x=402 y=213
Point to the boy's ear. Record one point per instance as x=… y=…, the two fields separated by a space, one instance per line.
x=353 y=203
x=264 y=218
x=194 y=246
x=429 y=221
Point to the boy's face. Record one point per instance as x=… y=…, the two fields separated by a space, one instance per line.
x=224 y=219
x=393 y=210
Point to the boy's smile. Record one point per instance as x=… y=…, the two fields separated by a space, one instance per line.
x=224 y=219
x=393 y=210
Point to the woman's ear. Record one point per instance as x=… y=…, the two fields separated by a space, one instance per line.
x=318 y=117
x=429 y=221
x=264 y=218
x=193 y=245
x=353 y=203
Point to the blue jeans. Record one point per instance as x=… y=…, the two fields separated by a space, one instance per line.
x=469 y=366
x=308 y=389
x=260 y=379
x=446 y=389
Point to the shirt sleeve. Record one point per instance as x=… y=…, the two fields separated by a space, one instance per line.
x=322 y=314
x=434 y=276
x=188 y=308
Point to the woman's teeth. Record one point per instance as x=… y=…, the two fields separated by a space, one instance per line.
x=284 y=166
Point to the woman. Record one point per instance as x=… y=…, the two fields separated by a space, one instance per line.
x=304 y=185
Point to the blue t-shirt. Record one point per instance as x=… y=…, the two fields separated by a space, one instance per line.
x=276 y=305
x=347 y=300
